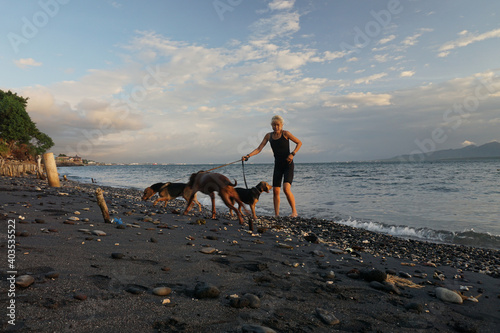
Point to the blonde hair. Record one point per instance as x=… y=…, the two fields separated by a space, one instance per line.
x=277 y=119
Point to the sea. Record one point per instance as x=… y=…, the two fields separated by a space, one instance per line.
x=455 y=202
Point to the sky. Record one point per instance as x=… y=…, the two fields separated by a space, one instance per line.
x=198 y=81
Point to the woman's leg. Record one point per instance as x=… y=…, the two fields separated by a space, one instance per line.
x=276 y=200
x=287 y=188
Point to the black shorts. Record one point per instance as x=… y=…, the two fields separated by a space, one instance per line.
x=282 y=171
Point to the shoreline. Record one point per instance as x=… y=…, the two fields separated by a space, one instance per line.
x=305 y=273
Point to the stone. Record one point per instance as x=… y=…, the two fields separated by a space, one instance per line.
x=117 y=255
x=248 y=328
x=24 y=281
x=206 y=290
x=327 y=317
x=239 y=303
x=52 y=275
x=419 y=308
x=80 y=297
x=208 y=250
x=98 y=233
x=447 y=295
x=253 y=300
x=73 y=218
x=162 y=291
x=374 y=275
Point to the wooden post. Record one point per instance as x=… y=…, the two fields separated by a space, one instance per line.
x=51 y=169
x=102 y=204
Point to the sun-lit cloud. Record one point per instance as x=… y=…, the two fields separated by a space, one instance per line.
x=407 y=74
x=27 y=62
x=466 y=38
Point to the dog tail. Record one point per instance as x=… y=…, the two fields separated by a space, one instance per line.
x=235 y=183
x=164 y=185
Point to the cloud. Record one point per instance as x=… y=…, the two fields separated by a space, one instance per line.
x=468 y=143
x=27 y=62
x=466 y=38
x=356 y=100
x=407 y=74
x=281 y=4
x=387 y=39
x=370 y=79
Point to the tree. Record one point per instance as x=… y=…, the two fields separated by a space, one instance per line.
x=19 y=135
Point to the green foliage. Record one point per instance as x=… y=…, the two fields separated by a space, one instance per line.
x=19 y=135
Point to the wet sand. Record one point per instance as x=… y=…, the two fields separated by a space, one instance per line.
x=289 y=275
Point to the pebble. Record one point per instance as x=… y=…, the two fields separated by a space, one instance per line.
x=253 y=300
x=81 y=297
x=248 y=328
x=73 y=218
x=374 y=275
x=208 y=250
x=162 y=291
x=448 y=295
x=327 y=317
x=206 y=290
x=117 y=255
x=98 y=233
x=24 y=281
x=52 y=275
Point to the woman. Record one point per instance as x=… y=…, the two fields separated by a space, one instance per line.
x=283 y=162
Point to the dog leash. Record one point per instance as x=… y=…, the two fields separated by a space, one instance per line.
x=244 y=178
x=220 y=166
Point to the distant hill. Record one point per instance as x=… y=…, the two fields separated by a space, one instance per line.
x=488 y=150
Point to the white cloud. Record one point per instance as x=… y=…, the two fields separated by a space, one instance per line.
x=370 y=79
x=281 y=4
x=468 y=143
x=466 y=38
x=27 y=62
x=387 y=39
x=407 y=74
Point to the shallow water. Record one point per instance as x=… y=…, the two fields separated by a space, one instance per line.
x=456 y=202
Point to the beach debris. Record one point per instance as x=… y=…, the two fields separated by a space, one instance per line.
x=102 y=205
x=447 y=295
x=439 y=276
x=327 y=317
x=402 y=282
x=285 y=246
x=24 y=281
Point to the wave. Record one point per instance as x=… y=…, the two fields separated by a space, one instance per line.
x=468 y=238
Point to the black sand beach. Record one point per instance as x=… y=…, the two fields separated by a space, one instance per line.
x=75 y=273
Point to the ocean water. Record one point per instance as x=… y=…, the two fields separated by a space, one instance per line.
x=451 y=202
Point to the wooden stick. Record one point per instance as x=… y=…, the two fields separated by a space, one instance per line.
x=102 y=204
x=51 y=169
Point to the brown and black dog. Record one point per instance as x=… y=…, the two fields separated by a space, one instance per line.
x=251 y=196
x=208 y=183
x=169 y=191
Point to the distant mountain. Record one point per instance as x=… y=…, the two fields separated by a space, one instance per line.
x=488 y=150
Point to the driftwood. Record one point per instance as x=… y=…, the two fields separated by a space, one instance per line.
x=51 y=170
x=102 y=204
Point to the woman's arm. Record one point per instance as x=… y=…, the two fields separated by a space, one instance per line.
x=298 y=143
x=259 y=148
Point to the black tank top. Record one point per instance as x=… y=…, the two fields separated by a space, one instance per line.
x=281 y=147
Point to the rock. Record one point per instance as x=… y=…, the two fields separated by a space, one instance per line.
x=206 y=290
x=134 y=290
x=80 y=297
x=52 y=275
x=208 y=250
x=162 y=291
x=327 y=317
x=239 y=303
x=24 y=281
x=374 y=275
x=448 y=295
x=404 y=275
x=40 y=221
x=318 y=253
x=153 y=240
x=391 y=287
x=253 y=300
x=419 y=308
x=98 y=233
x=73 y=218
x=117 y=255
x=377 y=285
x=248 y=328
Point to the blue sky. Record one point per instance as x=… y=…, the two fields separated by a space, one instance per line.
x=198 y=81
